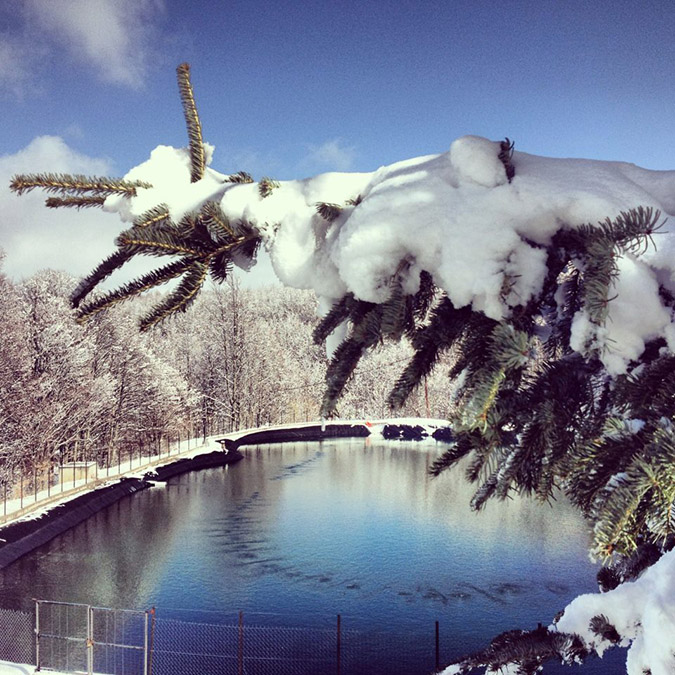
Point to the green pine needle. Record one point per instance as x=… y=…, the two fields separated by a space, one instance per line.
x=75 y=184
x=135 y=287
x=74 y=202
x=180 y=298
x=194 y=126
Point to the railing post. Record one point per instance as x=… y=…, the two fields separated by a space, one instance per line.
x=438 y=649
x=37 y=635
x=145 y=644
x=90 y=640
x=151 y=644
x=339 y=640
x=240 y=651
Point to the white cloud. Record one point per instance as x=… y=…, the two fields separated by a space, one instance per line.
x=16 y=66
x=35 y=237
x=116 y=38
x=331 y=155
x=112 y=35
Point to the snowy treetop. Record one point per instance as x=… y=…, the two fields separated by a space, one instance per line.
x=456 y=215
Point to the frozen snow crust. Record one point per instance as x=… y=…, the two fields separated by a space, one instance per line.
x=455 y=215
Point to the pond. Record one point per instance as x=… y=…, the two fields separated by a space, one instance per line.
x=295 y=534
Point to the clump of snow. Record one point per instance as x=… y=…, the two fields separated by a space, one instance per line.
x=168 y=171
x=636 y=315
x=476 y=160
x=642 y=613
x=454 y=215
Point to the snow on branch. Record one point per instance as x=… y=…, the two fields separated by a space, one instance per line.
x=455 y=216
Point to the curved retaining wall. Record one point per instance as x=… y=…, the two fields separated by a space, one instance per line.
x=315 y=432
x=19 y=538
x=25 y=535
x=312 y=432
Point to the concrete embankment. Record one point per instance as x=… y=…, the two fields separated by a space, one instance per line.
x=22 y=536
x=310 y=432
x=404 y=431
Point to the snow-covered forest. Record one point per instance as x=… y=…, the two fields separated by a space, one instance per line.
x=241 y=358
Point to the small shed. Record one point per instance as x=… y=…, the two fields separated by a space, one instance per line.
x=75 y=471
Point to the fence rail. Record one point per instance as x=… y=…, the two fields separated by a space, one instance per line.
x=78 y=638
x=24 y=490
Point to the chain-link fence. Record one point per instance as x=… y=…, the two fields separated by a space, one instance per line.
x=17 y=639
x=70 y=637
x=194 y=648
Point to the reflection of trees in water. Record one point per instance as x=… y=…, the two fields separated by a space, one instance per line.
x=285 y=514
x=111 y=559
x=395 y=476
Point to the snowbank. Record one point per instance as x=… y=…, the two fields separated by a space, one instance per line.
x=455 y=215
x=642 y=613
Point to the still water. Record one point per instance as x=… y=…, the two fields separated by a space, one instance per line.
x=296 y=533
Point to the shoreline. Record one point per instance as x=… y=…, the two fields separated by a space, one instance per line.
x=27 y=533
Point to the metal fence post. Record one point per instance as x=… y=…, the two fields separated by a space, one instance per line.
x=240 y=651
x=151 y=645
x=37 y=635
x=338 y=643
x=90 y=640
x=438 y=649
x=145 y=644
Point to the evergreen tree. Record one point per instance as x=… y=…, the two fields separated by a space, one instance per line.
x=535 y=413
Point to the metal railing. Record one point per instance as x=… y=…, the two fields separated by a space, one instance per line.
x=23 y=491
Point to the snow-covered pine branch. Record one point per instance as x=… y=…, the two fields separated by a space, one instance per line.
x=550 y=281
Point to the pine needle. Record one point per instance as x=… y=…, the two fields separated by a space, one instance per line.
x=74 y=202
x=76 y=183
x=194 y=126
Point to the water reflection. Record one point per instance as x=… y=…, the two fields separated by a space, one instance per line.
x=307 y=530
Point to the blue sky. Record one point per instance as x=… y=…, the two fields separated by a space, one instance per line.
x=290 y=89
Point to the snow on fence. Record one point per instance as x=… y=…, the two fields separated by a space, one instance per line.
x=25 y=489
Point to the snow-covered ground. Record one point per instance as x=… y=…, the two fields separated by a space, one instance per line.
x=7 y=668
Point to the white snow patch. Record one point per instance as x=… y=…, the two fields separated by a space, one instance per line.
x=643 y=612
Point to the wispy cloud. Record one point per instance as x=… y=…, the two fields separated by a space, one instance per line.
x=17 y=62
x=332 y=155
x=115 y=38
